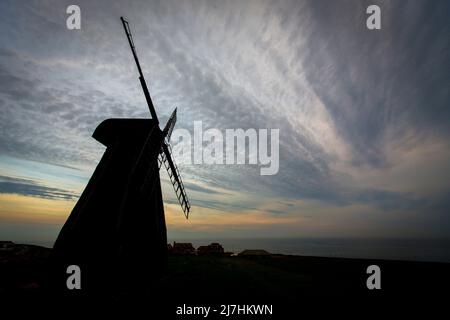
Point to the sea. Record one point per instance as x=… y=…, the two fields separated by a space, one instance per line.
x=436 y=250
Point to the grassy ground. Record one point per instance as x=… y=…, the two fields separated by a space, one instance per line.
x=213 y=278
x=289 y=278
x=289 y=283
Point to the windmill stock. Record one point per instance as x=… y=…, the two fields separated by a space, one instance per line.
x=117 y=228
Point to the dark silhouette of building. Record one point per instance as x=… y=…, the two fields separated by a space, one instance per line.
x=211 y=249
x=118 y=223
x=183 y=248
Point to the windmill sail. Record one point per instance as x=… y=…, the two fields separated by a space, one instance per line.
x=171 y=167
x=170 y=125
x=175 y=179
x=126 y=27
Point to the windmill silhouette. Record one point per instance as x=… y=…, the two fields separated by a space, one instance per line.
x=117 y=228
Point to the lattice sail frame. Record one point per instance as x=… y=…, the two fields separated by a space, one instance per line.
x=175 y=178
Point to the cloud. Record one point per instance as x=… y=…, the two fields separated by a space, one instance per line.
x=380 y=86
x=198 y=188
x=351 y=104
x=31 y=188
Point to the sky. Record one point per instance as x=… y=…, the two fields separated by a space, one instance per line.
x=363 y=115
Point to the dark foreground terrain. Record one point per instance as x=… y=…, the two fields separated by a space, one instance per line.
x=286 y=282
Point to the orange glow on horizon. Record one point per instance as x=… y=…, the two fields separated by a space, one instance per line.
x=209 y=219
x=19 y=208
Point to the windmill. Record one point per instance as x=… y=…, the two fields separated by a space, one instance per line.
x=117 y=228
